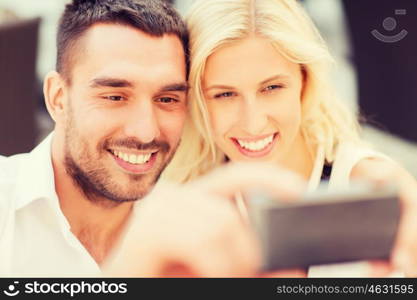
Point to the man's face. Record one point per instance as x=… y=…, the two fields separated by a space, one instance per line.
x=125 y=111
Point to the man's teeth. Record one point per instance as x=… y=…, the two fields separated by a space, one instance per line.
x=132 y=158
x=258 y=145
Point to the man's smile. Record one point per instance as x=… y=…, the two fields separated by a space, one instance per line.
x=139 y=162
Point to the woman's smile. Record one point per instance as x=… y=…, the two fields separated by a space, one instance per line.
x=255 y=146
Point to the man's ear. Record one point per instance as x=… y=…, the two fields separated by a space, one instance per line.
x=54 y=94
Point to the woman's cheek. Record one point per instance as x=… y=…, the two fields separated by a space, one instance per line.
x=222 y=119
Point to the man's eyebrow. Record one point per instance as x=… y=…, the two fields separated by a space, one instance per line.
x=110 y=82
x=175 y=87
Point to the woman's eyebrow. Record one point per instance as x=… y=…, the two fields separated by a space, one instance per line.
x=219 y=86
x=275 y=77
x=228 y=87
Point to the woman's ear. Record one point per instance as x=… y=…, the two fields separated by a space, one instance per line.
x=53 y=91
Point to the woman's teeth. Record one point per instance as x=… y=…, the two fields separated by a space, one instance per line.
x=132 y=158
x=256 y=145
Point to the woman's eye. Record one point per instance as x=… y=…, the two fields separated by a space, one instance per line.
x=114 y=98
x=166 y=100
x=224 y=95
x=273 y=87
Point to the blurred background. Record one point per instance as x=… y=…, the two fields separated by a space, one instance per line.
x=374 y=43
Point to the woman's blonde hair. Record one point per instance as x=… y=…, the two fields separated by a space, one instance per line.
x=216 y=23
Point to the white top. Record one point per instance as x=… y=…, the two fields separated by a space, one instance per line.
x=35 y=236
x=347 y=156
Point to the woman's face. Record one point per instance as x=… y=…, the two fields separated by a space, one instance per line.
x=253 y=98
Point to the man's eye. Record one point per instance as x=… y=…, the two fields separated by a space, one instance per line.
x=224 y=95
x=166 y=100
x=114 y=98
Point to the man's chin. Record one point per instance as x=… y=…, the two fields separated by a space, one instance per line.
x=130 y=196
x=135 y=187
x=109 y=199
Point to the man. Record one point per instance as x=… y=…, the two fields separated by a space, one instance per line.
x=118 y=99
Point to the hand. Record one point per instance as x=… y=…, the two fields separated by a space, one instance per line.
x=182 y=232
x=404 y=254
x=193 y=230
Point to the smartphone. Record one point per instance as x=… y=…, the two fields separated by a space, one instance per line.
x=325 y=228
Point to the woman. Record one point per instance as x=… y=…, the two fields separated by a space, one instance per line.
x=260 y=92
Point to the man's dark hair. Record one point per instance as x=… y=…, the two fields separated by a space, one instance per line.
x=154 y=17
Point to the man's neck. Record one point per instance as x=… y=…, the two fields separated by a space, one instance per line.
x=97 y=227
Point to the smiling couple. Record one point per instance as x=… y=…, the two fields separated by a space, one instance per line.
x=138 y=93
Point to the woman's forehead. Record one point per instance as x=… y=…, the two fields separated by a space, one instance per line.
x=253 y=57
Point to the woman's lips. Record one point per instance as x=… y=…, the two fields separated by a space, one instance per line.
x=256 y=147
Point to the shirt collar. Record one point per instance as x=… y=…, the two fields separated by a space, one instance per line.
x=35 y=179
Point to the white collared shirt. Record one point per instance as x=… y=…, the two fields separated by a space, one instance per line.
x=35 y=236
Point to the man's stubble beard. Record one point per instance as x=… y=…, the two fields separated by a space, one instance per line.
x=95 y=181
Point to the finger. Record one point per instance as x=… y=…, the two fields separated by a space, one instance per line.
x=218 y=261
x=177 y=270
x=228 y=180
x=233 y=255
x=292 y=273
x=404 y=255
x=229 y=251
x=134 y=261
x=380 y=268
x=246 y=252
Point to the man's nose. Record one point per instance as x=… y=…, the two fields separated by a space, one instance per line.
x=141 y=122
x=254 y=118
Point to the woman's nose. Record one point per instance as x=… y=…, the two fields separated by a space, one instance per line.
x=253 y=116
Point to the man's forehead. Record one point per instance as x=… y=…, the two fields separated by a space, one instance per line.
x=110 y=36
x=121 y=51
